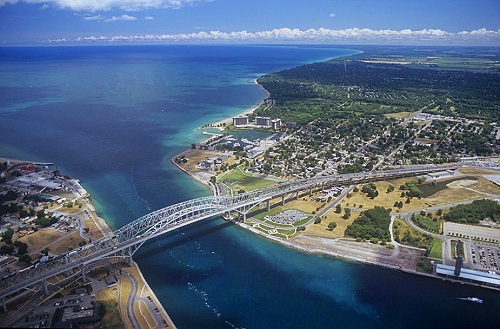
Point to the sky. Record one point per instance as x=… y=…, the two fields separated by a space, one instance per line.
x=415 y=22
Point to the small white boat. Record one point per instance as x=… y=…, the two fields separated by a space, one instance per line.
x=472 y=299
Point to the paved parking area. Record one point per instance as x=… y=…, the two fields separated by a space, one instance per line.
x=288 y=217
x=481 y=245
x=471 y=231
x=482 y=257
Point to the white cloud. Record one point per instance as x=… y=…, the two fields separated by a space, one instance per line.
x=102 y=5
x=321 y=35
x=7 y=2
x=150 y=18
x=332 y=15
x=94 y=18
x=121 y=18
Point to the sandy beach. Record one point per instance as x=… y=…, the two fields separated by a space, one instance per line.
x=220 y=124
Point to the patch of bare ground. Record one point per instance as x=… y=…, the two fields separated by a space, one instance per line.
x=453 y=195
x=70 y=210
x=402 y=257
x=193 y=158
x=94 y=230
x=485 y=186
x=398 y=115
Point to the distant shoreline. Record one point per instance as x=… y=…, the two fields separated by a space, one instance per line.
x=256 y=106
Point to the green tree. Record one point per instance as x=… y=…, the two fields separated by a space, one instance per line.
x=22 y=248
x=25 y=258
x=332 y=226
x=7 y=235
x=338 y=208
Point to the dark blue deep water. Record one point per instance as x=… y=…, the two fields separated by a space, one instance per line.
x=114 y=116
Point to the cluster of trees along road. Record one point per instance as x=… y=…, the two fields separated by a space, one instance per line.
x=475 y=212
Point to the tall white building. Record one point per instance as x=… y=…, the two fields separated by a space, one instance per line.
x=276 y=123
x=263 y=121
x=240 y=121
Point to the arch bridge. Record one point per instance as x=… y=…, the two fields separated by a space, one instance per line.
x=124 y=242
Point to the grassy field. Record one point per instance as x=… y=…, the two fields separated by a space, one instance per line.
x=237 y=180
x=144 y=316
x=457 y=62
x=398 y=115
x=40 y=239
x=416 y=238
x=359 y=201
x=449 y=195
x=436 y=251
x=428 y=224
x=321 y=229
x=273 y=211
x=57 y=242
x=108 y=297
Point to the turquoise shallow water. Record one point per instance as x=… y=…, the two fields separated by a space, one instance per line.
x=114 y=116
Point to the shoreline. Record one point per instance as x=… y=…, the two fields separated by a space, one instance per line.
x=321 y=249
x=106 y=231
x=253 y=108
x=138 y=277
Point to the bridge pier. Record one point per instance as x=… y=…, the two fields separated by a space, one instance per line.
x=4 y=305
x=130 y=261
x=282 y=199
x=310 y=191
x=45 y=287
x=242 y=215
x=268 y=205
x=297 y=195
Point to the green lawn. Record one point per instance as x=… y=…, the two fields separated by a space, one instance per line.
x=302 y=222
x=273 y=211
x=428 y=224
x=437 y=249
x=237 y=180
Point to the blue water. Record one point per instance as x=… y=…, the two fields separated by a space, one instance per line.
x=114 y=116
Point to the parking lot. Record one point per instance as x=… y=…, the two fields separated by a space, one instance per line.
x=482 y=257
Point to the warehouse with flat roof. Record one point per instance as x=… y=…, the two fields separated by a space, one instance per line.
x=480 y=277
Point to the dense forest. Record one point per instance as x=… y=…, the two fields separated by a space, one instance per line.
x=372 y=223
x=473 y=213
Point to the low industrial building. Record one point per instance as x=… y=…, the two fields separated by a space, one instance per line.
x=473 y=276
